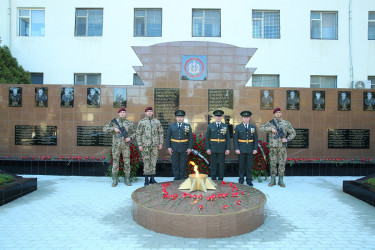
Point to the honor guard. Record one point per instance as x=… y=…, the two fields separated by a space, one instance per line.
x=217 y=145
x=245 y=140
x=179 y=142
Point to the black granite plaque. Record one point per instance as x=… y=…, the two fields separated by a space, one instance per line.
x=35 y=135
x=266 y=99
x=221 y=99
x=292 y=99
x=15 y=97
x=348 y=138
x=318 y=100
x=301 y=140
x=167 y=101
x=344 y=100
x=93 y=136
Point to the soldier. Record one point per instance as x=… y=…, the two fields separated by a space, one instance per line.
x=179 y=142
x=217 y=145
x=245 y=140
x=150 y=138
x=279 y=133
x=120 y=144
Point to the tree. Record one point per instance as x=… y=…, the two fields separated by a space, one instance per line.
x=10 y=71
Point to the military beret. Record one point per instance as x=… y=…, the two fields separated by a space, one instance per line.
x=179 y=113
x=246 y=113
x=121 y=109
x=276 y=110
x=218 y=113
x=148 y=108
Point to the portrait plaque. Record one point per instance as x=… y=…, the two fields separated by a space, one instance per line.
x=93 y=97
x=166 y=101
x=292 y=99
x=266 y=99
x=349 y=138
x=93 y=136
x=15 y=97
x=221 y=99
x=194 y=67
x=35 y=135
x=344 y=100
x=119 y=97
x=301 y=140
x=318 y=100
x=41 y=97
x=67 y=97
x=368 y=101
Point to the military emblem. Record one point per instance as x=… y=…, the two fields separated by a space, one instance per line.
x=194 y=68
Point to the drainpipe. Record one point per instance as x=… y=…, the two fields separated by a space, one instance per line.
x=9 y=23
x=350 y=42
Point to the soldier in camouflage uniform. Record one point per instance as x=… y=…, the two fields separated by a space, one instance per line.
x=150 y=136
x=120 y=145
x=278 y=143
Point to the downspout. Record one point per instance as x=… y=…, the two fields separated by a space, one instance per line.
x=350 y=43
x=9 y=23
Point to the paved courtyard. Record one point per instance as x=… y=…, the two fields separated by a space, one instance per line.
x=69 y=212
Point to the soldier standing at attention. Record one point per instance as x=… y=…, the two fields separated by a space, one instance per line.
x=120 y=144
x=279 y=133
x=150 y=136
x=217 y=145
x=245 y=140
x=179 y=142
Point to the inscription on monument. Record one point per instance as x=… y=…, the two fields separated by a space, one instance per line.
x=35 y=135
x=301 y=140
x=221 y=99
x=167 y=101
x=93 y=136
x=348 y=138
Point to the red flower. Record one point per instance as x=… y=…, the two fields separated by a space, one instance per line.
x=225 y=207
x=200 y=207
x=239 y=202
x=243 y=192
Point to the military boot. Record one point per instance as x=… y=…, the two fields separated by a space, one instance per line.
x=114 y=180
x=152 y=180
x=146 y=180
x=127 y=180
x=273 y=181
x=281 y=181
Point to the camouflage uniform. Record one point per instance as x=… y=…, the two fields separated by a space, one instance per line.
x=119 y=145
x=150 y=135
x=277 y=148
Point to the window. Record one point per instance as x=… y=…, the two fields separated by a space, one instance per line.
x=324 y=25
x=87 y=79
x=266 y=81
x=147 y=22
x=371 y=25
x=266 y=24
x=137 y=80
x=372 y=79
x=36 y=78
x=31 y=22
x=89 y=22
x=324 y=82
x=206 y=23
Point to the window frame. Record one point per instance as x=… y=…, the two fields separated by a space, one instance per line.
x=321 y=24
x=203 y=22
x=87 y=22
x=85 y=75
x=320 y=81
x=372 y=79
x=262 y=23
x=368 y=27
x=265 y=75
x=145 y=22
x=30 y=17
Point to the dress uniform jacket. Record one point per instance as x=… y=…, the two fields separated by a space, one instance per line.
x=179 y=139
x=245 y=140
x=217 y=140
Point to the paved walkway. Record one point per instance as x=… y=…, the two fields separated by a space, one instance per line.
x=87 y=213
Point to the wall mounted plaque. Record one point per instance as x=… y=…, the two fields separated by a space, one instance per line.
x=368 y=101
x=292 y=99
x=194 y=67
x=349 y=138
x=41 y=97
x=93 y=97
x=318 y=100
x=67 y=97
x=301 y=140
x=266 y=99
x=93 y=136
x=119 y=97
x=167 y=101
x=15 y=97
x=344 y=100
x=35 y=135
x=221 y=99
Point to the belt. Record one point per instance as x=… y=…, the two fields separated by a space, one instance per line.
x=247 y=141
x=218 y=140
x=185 y=140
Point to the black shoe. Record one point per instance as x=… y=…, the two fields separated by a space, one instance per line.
x=146 y=180
x=240 y=181
x=250 y=184
x=152 y=180
x=213 y=178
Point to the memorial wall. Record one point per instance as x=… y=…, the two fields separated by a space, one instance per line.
x=198 y=77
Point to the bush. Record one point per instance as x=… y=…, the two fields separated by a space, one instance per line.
x=10 y=71
x=5 y=178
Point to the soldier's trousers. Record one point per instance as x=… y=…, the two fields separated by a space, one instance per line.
x=277 y=155
x=150 y=156
x=245 y=162
x=179 y=165
x=217 y=165
x=116 y=151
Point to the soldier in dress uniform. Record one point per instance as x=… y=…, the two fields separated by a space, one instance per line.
x=120 y=144
x=179 y=142
x=279 y=133
x=245 y=140
x=217 y=145
x=150 y=136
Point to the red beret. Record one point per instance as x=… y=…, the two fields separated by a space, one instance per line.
x=121 y=109
x=276 y=110
x=148 y=108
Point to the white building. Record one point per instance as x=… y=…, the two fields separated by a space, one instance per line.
x=320 y=43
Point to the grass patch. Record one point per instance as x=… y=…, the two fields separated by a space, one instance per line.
x=5 y=178
x=371 y=181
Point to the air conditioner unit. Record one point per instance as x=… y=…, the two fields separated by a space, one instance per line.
x=363 y=84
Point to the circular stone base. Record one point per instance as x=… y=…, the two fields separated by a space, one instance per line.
x=240 y=212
